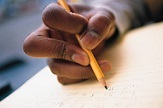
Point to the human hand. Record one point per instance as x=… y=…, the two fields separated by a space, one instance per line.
x=55 y=40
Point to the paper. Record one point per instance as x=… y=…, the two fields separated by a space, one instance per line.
x=136 y=80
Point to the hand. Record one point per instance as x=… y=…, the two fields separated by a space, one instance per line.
x=55 y=40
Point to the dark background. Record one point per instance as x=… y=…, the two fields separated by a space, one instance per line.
x=18 y=18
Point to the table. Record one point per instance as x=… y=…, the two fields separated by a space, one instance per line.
x=136 y=79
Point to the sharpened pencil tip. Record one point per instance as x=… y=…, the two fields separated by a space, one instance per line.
x=106 y=87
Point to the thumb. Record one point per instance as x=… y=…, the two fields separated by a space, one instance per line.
x=98 y=28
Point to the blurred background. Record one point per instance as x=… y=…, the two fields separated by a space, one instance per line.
x=18 y=18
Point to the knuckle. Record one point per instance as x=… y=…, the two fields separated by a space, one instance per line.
x=84 y=74
x=54 y=66
x=55 y=17
x=79 y=22
x=49 y=13
x=62 y=51
x=46 y=12
x=105 y=20
x=106 y=17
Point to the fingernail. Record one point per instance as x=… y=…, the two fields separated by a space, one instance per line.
x=80 y=58
x=90 y=40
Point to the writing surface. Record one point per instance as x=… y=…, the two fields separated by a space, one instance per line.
x=136 y=79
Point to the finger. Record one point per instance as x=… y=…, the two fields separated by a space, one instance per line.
x=98 y=27
x=56 y=17
x=111 y=32
x=65 y=81
x=74 y=71
x=37 y=45
x=99 y=49
x=80 y=8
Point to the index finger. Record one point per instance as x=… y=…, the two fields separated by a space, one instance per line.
x=56 y=17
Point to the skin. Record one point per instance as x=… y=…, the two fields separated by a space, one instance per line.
x=55 y=39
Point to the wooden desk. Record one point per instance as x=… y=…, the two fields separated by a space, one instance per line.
x=136 y=80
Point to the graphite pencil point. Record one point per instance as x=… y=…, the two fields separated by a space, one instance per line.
x=106 y=87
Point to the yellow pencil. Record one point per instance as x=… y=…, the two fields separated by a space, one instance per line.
x=93 y=63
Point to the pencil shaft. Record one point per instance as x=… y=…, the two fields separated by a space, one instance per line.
x=103 y=82
x=93 y=63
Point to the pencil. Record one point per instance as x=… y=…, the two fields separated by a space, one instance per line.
x=93 y=63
